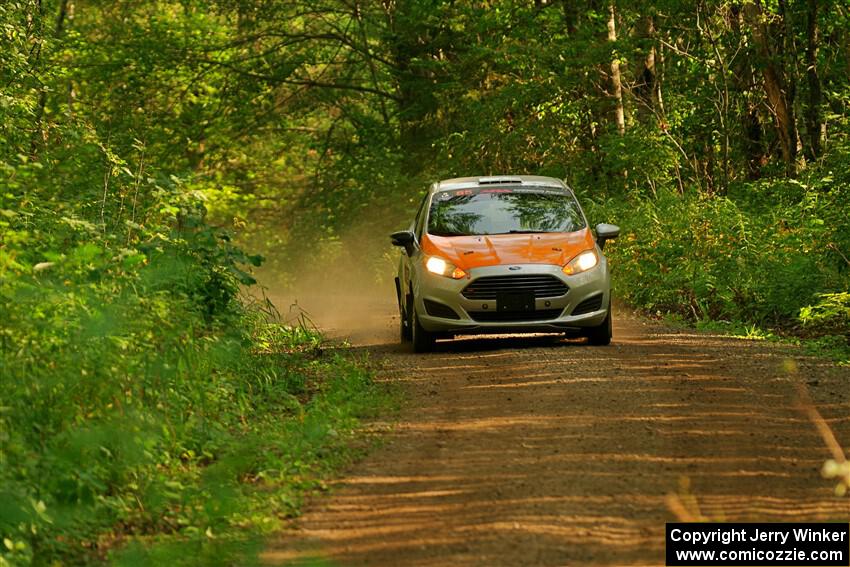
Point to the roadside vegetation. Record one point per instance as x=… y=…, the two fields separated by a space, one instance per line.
x=151 y=151
x=765 y=261
x=153 y=412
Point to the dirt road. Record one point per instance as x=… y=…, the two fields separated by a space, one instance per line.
x=540 y=451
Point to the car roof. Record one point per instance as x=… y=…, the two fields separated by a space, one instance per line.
x=501 y=181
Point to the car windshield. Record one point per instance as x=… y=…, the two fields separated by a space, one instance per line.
x=502 y=210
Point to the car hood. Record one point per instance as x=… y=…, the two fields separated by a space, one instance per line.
x=467 y=252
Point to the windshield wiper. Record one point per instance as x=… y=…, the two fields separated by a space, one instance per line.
x=525 y=232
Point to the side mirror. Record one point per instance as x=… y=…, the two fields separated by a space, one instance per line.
x=405 y=239
x=606 y=232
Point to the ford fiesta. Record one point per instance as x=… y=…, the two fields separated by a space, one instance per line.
x=502 y=255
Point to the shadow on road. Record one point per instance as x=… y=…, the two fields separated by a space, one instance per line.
x=535 y=450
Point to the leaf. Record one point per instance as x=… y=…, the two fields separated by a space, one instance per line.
x=87 y=252
x=133 y=260
x=78 y=223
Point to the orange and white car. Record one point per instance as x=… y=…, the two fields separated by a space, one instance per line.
x=502 y=255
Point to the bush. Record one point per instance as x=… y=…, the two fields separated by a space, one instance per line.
x=142 y=394
x=756 y=258
x=831 y=314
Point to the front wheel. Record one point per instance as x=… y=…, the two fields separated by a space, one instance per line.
x=405 y=324
x=423 y=340
x=601 y=334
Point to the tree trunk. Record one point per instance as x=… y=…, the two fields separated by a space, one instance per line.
x=412 y=44
x=779 y=95
x=750 y=121
x=616 y=84
x=814 y=124
x=571 y=17
x=647 y=88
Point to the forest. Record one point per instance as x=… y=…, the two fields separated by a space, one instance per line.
x=154 y=155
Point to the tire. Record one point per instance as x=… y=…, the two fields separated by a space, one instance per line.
x=601 y=334
x=423 y=341
x=405 y=324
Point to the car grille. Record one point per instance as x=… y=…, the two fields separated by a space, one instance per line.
x=540 y=285
x=589 y=305
x=510 y=316
x=435 y=309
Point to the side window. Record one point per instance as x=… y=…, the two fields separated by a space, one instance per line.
x=419 y=223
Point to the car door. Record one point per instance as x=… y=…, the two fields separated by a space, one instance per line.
x=406 y=271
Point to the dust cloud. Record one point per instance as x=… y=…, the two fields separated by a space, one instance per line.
x=344 y=287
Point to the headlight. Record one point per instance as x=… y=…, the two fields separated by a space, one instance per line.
x=437 y=265
x=581 y=263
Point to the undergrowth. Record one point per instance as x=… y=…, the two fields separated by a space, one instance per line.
x=151 y=412
x=769 y=258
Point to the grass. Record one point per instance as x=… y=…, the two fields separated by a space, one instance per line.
x=831 y=347
x=737 y=329
x=211 y=499
x=260 y=479
x=151 y=412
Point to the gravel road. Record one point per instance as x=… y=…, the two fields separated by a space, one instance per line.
x=543 y=451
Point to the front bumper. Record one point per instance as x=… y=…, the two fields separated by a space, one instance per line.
x=552 y=314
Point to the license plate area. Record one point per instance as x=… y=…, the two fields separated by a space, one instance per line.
x=515 y=302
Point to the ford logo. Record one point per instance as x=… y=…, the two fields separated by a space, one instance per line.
x=514 y=268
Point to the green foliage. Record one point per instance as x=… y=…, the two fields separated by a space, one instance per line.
x=835 y=347
x=735 y=329
x=760 y=260
x=141 y=398
x=150 y=405
x=830 y=314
